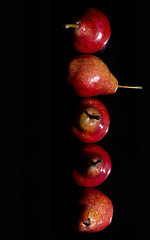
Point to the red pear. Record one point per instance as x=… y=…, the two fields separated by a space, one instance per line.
x=89 y=76
x=93 y=211
x=92 y=120
x=91 y=32
x=92 y=167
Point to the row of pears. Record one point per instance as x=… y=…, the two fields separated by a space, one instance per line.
x=89 y=76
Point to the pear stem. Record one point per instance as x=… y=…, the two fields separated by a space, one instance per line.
x=87 y=223
x=72 y=25
x=94 y=117
x=95 y=163
x=132 y=87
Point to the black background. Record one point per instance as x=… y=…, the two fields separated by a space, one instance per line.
x=48 y=145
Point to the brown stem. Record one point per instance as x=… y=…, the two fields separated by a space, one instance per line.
x=93 y=117
x=132 y=87
x=72 y=25
x=87 y=223
x=95 y=163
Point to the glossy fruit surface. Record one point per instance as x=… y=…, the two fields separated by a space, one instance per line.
x=89 y=76
x=93 y=211
x=92 y=167
x=92 y=32
x=91 y=120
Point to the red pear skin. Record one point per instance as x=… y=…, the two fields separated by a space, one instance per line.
x=93 y=166
x=95 y=211
x=93 y=31
x=89 y=76
x=85 y=127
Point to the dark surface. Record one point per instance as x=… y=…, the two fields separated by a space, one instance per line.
x=49 y=102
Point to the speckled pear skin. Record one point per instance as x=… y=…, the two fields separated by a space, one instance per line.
x=89 y=76
x=96 y=211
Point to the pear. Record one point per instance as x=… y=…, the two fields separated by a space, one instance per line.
x=91 y=120
x=91 y=31
x=93 y=211
x=92 y=166
x=89 y=76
